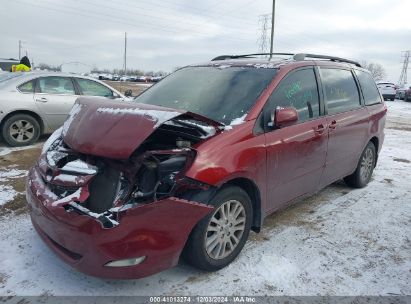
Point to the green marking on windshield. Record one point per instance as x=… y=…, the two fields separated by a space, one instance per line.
x=292 y=89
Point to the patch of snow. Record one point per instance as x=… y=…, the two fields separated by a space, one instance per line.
x=156 y=116
x=223 y=66
x=7 y=150
x=12 y=173
x=268 y=65
x=93 y=214
x=79 y=166
x=73 y=113
x=7 y=194
x=68 y=198
x=238 y=121
x=65 y=178
x=123 y=207
x=53 y=137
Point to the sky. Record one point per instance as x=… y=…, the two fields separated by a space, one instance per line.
x=163 y=35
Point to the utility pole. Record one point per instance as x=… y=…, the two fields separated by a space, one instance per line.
x=272 y=30
x=404 y=72
x=19 y=49
x=125 y=54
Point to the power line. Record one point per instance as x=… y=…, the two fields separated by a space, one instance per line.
x=113 y=18
x=195 y=25
x=237 y=20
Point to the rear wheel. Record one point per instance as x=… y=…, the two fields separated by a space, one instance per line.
x=219 y=237
x=365 y=167
x=20 y=130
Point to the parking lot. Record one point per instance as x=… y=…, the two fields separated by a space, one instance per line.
x=339 y=241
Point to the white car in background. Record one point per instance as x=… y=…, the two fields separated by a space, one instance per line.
x=36 y=103
x=404 y=92
x=387 y=90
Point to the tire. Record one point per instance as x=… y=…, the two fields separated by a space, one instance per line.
x=365 y=167
x=20 y=130
x=212 y=258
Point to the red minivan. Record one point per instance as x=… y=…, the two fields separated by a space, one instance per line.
x=124 y=189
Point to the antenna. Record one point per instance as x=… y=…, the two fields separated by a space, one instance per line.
x=125 y=54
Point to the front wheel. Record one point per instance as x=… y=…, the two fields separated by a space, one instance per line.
x=219 y=237
x=365 y=167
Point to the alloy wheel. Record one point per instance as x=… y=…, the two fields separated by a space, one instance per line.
x=367 y=163
x=22 y=131
x=225 y=229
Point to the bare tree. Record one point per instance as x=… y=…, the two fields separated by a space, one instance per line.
x=44 y=66
x=376 y=69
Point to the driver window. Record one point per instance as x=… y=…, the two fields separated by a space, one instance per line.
x=92 y=88
x=298 y=90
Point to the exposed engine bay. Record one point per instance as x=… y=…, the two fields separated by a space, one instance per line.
x=103 y=188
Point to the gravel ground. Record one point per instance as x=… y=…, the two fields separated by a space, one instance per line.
x=339 y=241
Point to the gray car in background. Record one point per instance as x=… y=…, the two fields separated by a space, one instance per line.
x=36 y=103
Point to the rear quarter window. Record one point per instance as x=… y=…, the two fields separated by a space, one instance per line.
x=340 y=90
x=368 y=88
x=27 y=87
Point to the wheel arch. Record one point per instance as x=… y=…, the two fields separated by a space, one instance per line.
x=27 y=112
x=375 y=141
x=254 y=193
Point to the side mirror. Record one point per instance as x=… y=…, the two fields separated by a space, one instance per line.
x=128 y=93
x=282 y=117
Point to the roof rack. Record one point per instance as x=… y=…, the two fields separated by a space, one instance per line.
x=302 y=56
x=224 y=57
x=297 y=57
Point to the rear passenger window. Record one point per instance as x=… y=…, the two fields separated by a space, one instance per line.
x=298 y=90
x=56 y=85
x=341 y=92
x=368 y=88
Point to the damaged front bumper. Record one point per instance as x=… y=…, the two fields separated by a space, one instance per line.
x=156 y=231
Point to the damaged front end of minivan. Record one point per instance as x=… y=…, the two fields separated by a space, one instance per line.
x=119 y=169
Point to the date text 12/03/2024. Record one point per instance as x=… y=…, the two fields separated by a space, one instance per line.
x=203 y=299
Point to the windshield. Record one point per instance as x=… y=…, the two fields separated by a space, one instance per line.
x=223 y=93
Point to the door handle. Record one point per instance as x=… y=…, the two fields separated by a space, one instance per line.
x=42 y=99
x=319 y=129
x=333 y=124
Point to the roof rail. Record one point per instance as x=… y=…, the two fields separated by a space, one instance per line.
x=302 y=56
x=224 y=57
x=297 y=57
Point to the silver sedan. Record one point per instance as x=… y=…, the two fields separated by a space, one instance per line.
x=36 y=103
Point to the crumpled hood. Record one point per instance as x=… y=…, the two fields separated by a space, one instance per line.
x=112 y=129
